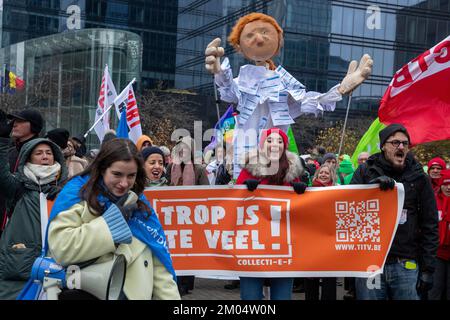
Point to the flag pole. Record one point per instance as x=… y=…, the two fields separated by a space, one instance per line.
x=345 y=123
x=217 y=100
x=104 y=113
x=98 y=120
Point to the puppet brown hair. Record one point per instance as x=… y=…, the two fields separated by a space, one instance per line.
x=235 y=35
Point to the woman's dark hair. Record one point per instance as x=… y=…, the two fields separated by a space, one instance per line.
x=283 y=167
x=111 y=151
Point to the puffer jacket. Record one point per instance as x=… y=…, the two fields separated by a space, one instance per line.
x=253 y=169
x=417 y=238
x=25 y=223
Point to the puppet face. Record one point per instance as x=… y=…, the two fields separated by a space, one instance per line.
x=259 y=41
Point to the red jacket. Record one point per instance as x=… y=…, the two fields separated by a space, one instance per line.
x=443 y=205
x=253 y=170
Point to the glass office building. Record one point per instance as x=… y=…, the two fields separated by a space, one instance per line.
x=155 y=21
x=63 y=72
x=321 y=38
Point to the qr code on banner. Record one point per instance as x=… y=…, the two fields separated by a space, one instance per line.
x=357 y=221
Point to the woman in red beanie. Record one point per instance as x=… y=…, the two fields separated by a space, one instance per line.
x=272 y=164
x=441 y=287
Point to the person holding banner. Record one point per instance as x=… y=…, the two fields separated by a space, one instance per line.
x=102 y=212
x=325 y=176
x=273 y=164
x=41 y=170
x=410 y=264
x=441 y=288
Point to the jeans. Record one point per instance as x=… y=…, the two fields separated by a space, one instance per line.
x=397 y=282
x=280 y=288
x=441 y=281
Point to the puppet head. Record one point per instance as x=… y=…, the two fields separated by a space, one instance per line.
x=258 y=37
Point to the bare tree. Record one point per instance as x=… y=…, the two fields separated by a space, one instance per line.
x=162 y=112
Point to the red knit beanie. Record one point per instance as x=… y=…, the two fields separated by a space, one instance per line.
x=445 y=177
x=268 y=132
x=436 y=161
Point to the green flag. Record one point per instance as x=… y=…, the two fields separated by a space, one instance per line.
x=292 y=147
x=370 y=142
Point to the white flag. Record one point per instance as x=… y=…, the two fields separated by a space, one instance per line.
x=126 y=99
x=106 y=97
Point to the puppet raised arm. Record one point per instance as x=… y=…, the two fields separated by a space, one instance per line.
x=213 y=53
x=356 y=74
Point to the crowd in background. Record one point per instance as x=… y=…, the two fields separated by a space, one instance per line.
x=34 y=162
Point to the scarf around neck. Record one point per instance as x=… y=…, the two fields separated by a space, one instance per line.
x=318 y=183
x=42 y=174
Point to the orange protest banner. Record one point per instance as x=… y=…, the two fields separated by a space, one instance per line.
x=273 y=232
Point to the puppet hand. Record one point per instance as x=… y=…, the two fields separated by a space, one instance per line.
x=213 y=53
x=356 y=74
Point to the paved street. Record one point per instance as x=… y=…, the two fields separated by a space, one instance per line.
x=212 y=289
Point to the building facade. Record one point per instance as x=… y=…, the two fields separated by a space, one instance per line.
x=63 y=73
x=155 y=21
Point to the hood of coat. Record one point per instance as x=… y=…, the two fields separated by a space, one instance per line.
x=254 y=164
x=28 y=147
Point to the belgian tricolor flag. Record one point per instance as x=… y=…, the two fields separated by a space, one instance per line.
x=12 y=82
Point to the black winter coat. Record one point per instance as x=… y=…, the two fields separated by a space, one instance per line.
x=418 y=237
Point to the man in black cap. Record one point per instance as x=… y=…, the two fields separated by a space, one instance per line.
x=26 y=126
x=409 y=267
x=21 y=127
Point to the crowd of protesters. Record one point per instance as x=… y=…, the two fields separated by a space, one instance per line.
x=106 y=186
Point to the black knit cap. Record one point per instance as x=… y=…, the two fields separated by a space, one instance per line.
x=391 y=130
x=146 y=152
x=31 y=115
x=60 y=136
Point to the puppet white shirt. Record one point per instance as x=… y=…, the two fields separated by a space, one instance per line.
x=267 y=98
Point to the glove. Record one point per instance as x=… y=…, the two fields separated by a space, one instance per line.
x=5 y=126
x=299 y=187
x=251 y=184
x=126 y=209
x=385 y=182
x=213 y=53
x=356 y=74
x=424 y=283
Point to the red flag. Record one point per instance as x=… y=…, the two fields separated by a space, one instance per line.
x=418 y=96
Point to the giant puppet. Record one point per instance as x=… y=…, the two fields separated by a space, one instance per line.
x=268 y=96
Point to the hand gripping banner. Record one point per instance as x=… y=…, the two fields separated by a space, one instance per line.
x=215 y=231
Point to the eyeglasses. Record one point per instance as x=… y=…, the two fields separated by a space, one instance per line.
x=396 y=143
